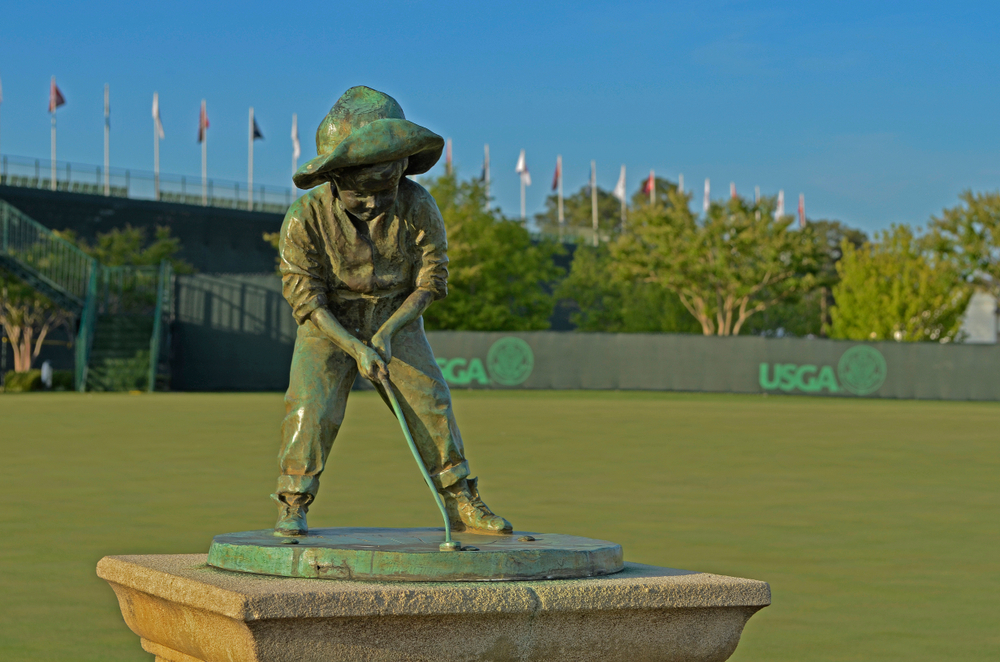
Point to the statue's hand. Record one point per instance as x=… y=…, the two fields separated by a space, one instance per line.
x=382 y=343
x=372 y=366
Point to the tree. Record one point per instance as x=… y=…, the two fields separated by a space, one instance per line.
x=898 y=288
x=499 y=278
x=737 y=261
x=27 y=318
x=578 y=216
x=810 y=314
x=604 y=301
x=662 y=189
x=128 y=246
x=970 y=232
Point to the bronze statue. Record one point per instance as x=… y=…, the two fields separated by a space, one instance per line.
x=363 y=254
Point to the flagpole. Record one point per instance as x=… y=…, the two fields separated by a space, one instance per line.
x=562 y=219
x=52 y=180
x=250 y=165
x=107 y=139
x=623 y=197
x=523 y=215
x=156 y=147
x=295 y=140
x=204 y=157
x=486 y=173
x=593 y=198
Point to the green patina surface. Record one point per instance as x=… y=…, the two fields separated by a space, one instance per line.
x=413 y=555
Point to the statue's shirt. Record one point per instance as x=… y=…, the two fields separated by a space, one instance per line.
x=326 y=256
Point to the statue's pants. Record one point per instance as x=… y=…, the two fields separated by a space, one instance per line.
x=321 y=378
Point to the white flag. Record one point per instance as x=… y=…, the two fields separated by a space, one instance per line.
x=705 y=204
x=619 y=191
x=522 y=169
x=156 y=115
x=781 y=205
x=296 y=147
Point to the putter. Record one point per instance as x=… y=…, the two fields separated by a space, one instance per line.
x=448 y=545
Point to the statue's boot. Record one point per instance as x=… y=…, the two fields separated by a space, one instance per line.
x=292 y=509
x=467 y=511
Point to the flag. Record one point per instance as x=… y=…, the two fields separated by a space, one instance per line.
x=619 y=191
x=447 y=156
x=257 y=135
x=557 y=175
x=650 y=184
x=522 y=169
x=705 y=204
x=732 y=190
x=56 y=98
x=484 y=175
x=296 y=147
x=781 y=205
x=202 y=123
x=157 y=124
x=802 y=210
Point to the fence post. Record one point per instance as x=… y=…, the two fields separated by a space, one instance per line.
x=157 y=339
x=85 y=334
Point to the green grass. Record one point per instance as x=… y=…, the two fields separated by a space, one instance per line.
x=877 y=523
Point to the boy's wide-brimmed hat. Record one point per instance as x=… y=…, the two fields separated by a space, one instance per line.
x=366 y=127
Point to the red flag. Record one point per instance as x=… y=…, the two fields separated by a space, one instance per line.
x=732 y=190
x=56 y=98
x=650 y=184
x=557 y=175
x=802 y=210
x=202 y=123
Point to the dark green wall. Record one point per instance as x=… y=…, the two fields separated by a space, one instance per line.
x=236 y=333
x=214 y=240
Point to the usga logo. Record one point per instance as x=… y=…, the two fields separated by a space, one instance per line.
x=509 y=362
x=861 y=369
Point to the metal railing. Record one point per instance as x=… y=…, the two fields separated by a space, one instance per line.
x=127 y=290
x=163 y=292
x=142 y=185
x=50 y=264
x=78 y=283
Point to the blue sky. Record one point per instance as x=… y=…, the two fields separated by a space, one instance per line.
x=879 y=112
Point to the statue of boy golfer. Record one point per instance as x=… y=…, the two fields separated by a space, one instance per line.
x=362 y=256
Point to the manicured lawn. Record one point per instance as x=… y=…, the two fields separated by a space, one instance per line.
x=877 y=523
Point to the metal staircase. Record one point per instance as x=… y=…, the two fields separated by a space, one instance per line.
x=120 y=311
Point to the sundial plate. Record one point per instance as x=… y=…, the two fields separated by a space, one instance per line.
x=414 y=555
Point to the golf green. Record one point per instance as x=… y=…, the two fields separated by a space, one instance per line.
x=875 y=522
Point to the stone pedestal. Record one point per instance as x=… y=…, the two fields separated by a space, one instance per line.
x=186 y=611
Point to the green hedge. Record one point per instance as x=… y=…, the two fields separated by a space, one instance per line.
x=21 y=382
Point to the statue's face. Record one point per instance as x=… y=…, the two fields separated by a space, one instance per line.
x=368 y=191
